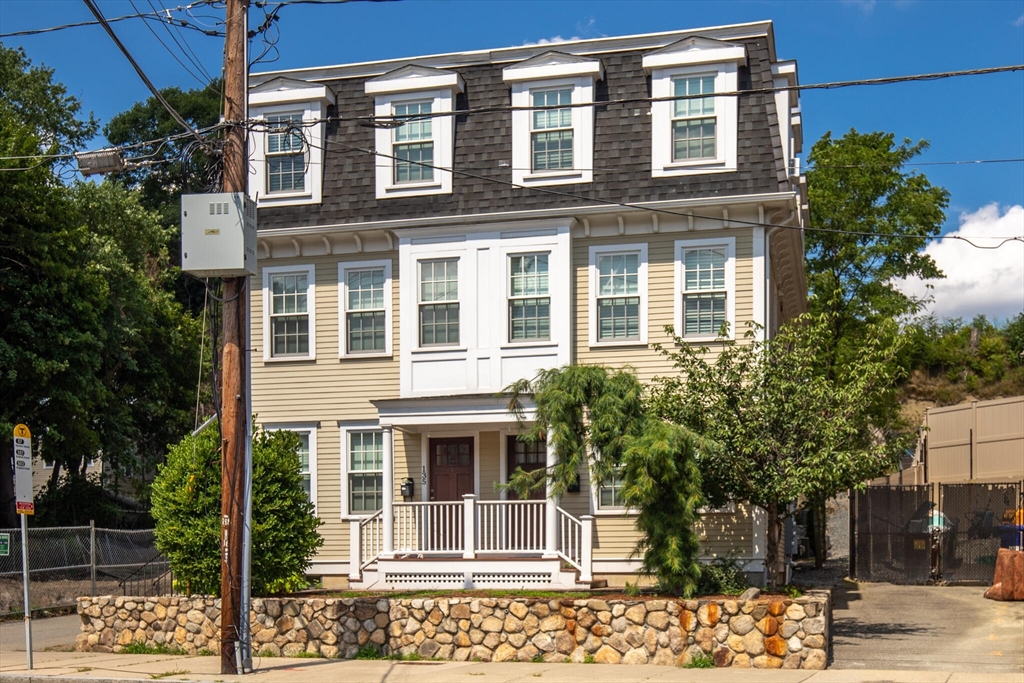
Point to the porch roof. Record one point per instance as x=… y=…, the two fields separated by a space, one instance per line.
x=461 y=409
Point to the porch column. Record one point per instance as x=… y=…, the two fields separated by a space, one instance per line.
x=388 y=517
x=469 y=526
x=355 y=549
x=550 y=504
x=587 y=549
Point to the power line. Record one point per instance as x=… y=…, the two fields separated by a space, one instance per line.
x=628 y=205
x=145 y=79
x=166 y=47
x=186 y=49
x=142 y=15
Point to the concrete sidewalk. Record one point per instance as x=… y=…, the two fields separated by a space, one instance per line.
x=55 y=667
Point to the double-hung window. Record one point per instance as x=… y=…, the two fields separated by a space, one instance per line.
x=365 y=311
x=439 y=302
x=304 y=470
x=289 y=314
x=413 y=147
x=694 y=125
x=285 y=154
x=705 y=288
x=609 y=494
x=365 y=471
x=551 y=131
x=618 y=297
x=529 y=303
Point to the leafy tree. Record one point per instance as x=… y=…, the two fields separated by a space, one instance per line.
x=787 y=426
x=168 y=168
x=596 y=419
x=861 y=183
x=186 y=498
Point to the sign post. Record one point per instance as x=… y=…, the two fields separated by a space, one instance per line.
x=25 y=506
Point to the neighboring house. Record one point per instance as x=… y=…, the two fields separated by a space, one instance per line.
x=396 y=299
x=41 y=472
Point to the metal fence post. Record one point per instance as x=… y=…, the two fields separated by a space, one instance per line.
x=92 y=557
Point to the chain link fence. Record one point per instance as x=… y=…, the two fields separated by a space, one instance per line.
x=68 y=562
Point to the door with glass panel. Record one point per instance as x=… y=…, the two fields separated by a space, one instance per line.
x=451 y=477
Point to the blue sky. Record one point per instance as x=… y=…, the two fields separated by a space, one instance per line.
x=979 y=117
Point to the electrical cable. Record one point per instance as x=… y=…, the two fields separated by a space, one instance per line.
x=183 y=44
x=145 y=79
x=143 y=15
x=169 y=51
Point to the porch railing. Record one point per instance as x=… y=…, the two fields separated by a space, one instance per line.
x=510 y=526
x=470 y=527
x=429 y=527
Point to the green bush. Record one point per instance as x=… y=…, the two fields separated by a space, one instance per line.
x=722 y=576
x=186 y=507
x=701 y=661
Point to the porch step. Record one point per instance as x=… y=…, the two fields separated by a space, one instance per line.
x=456 y=573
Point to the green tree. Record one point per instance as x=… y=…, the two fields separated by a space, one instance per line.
x=186 y=498
x=596 y=420
x=167 y=168
x=787 y=426
x=863 y=183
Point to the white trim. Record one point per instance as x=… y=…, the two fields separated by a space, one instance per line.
x=726 y=125
x=309 y=428
x=604 y=249
x=328 y=568
x=503 y=435
x=553 y=64
x=760 y=304
x=442 y=137
x=730 y=284
x=345 y=430
x=412 y=78
x=268 y=341
x=343 y=302
x=424 y=465
x=290 y=90
x=443 y=433
x=582 y=133
x=695 y=50
x=313 y=134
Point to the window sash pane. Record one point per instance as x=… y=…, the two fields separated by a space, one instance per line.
x=365 y=492
x=439 y=280
x=413 y=162
x=704 y=269
x=694 y=139
x=698 y=106
x=618 y=318
x=529 y=318
x=365 y=289
x=552 y=118
x=703 y=314
x=366 y=451
x=552 y=150
x=528 y=274
x=610 y=493
x=439 y=324
x=290 y=335
x=366 y=331
x=420 y=129
x=618 y=274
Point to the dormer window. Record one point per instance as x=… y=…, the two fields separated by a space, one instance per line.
x=415 y=155
x=696 y=133
x=552 y=135
x=287 y=149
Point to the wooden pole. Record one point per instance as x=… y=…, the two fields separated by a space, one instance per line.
x=233 y=399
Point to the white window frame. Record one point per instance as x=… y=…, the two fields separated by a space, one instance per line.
x=292 y=97
x=682 y=246
x=343 y=311
x=509 y=255
x=582 y=133
x=346 y=455
x=268 y=341
x=642 y=291
x=598 y=510
x=442 y=134
x=309 y=428
x=303 y=153
x=461 y=264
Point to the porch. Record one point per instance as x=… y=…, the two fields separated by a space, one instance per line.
x=453 y=526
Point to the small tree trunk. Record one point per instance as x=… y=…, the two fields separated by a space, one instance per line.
x=54 y=475
x=772 y=535
x=820 y=541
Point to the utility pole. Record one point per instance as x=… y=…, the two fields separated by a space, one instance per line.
x=234 y=421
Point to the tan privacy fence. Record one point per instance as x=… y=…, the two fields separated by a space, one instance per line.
x=980 y=441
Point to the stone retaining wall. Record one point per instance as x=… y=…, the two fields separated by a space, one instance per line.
x=760 y=633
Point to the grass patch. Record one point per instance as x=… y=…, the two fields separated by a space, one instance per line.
x=205 y=653
x=143 y=649
x=168 y=674
x=792 y=591
x=701 y=661
x=307 y=655
x=538 y=659
x=83 y=669
x=589 y=659
x=267 y=653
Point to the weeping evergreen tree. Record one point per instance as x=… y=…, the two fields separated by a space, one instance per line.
x=596 y=419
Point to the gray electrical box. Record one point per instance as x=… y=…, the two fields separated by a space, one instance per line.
x=218 y=234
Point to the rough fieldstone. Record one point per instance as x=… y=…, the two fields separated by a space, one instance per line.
x=618 y=641
x=504 y=653
x=741 y=624
x=775 y=646
x=555 y=622
x=531 y=624
x=460 y=611
x=607 y=655
x=814 y=626
x=788 y=629
x=814 y=641
x=528 y=652
x=491 y=640
x=731 y=607
x=794 y=644
x=638 y=656
x=597 y=605
x=491 y=625
x=544 y=642
x=741 y=661
x=792 y=661
x=708 y=614
x=704 y=638
x=767 y=662
x=601 y=630
x=658 y=620
x=735 y=643
x=723 y=657
x=637 y=613
x=517 y=640
x=618 y=609
x=776 y=608
x=753 y=643
x=565 y=642
x=751 y=593
x=634 y=635
x=480 y=653
x=815 y=659
x=768 y=626
x=795 y=612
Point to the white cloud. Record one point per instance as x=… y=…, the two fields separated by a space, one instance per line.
x=1019 y=21
x=866 y=6
x=549 y=41
x=989 y=281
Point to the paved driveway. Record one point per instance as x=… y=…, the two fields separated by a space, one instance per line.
x=934 y=628
x=51 y=633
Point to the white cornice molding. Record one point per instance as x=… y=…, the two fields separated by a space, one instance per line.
x=695 y=50
x=285 y=90
x=646 y=41
x=412 y=78
x=553 y=64
x=771 y=199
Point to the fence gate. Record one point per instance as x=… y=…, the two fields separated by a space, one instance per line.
x=891 y=542
x=914 y=534
x=973 y=514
